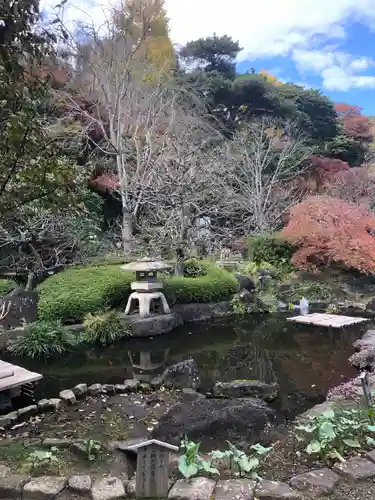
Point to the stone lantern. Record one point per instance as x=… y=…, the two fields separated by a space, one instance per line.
x=146 y=287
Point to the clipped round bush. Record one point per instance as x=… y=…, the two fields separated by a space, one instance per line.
x=74 y=293
x=194 y=268
x=43 y=339
x=104 y=328
x=6 y=286
x=270 y=248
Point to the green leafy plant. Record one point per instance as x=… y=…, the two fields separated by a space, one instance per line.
x=43 y=339
x=240 y=463
x=312 y=290
x=270 y=248
x=238 y=307
x=40 y=459
x=333 y=434
x=6 y=286
x=92 y=449
x=191 y=462
x=104 y=328
x=194 y=268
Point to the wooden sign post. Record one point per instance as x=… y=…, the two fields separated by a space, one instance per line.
x=152 y=468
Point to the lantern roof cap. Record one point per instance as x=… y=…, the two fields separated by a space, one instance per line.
x=146 y=264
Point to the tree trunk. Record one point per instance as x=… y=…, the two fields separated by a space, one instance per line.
x=30 y=284
x=180 y=258
x=127 y=232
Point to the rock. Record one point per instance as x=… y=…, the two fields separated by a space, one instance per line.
x=68 y=396
x=368 y=340
x=144 y=387
x=370 y=306
x=108 y=388
x=12 y=486
x=28 y=411
x=109 y=488
x=153 y=325
x=4 y=471
x=131 y=385
x=241 y=421
x=79 y=449
x=191 y=313
x=245 y=388
x=156 y=383
x=44 y=487
x=59 y=443
x=198 y=488
x=45 y=406
x=80 y=390
x=182 y=375
x=55 y=403
x=95 y=390
x=371 y=455
x=355 y=469
x=191 y=394
x=6 y=420
x=273 y=490
x=80 y=484
x=234 y=489
x=130 y=488
x=316 y=483
x=245 y=296
x=120 y=388
x=245 y=282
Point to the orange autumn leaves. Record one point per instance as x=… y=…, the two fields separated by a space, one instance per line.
x=330 y=231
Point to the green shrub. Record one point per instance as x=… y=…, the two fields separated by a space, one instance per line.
x=6 y=286
x=194 y=268
x=312 y=290
x=43 y=339
x=104 y=328
x=270 y=248
x=74 y=293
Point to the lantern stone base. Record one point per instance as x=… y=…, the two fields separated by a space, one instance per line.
x=144 y=301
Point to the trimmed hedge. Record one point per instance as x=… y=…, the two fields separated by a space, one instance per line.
x=72 y=294
x=270 y=248
x=6 y=286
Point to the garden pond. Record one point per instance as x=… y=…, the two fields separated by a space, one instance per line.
x=304 y=361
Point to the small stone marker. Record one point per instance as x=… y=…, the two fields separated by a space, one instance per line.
x=152 y=468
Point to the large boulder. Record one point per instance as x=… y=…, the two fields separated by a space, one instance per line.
x=370 y=307
x=245 y=388
x=182 y=375
x=245 y=282
x=214 y=421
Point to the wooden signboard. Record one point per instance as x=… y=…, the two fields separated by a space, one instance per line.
x=152 y=468
x=15 y=310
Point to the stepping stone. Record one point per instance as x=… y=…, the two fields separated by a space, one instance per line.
x=44 y=487
x=11 y=486
x=109 y=488
x=95 y=390
x=316 y=483
x=273 y=490
x=56 y=403
x=80 y=484
x=198 y=488
x=120 y=388
x=131 y=385
x=356 y=469
x=45 y=405
x=80 y=390
x=108 y=388
x=68 y=396
x=234 y=489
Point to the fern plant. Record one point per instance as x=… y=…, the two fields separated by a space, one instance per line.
x=104 y=328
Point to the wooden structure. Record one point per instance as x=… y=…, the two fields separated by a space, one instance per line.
x=152 y=468
x=328 y=320
x=13 y=377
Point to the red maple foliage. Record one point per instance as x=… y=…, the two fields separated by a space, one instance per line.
x=323 y=170
x=354 y=123
x=330 y=231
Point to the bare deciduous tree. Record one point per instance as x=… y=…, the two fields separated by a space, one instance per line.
x=263 y=163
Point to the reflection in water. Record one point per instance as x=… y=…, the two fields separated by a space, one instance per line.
x=148 y=364
x=305 y=361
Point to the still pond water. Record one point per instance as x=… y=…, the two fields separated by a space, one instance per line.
x=305 y=361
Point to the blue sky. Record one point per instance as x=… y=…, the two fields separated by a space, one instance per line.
x=325 y=44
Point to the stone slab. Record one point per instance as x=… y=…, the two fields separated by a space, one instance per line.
x=12 y=486
x=356 y=469
x=80 y=483
x=316 y=483
x=109 y=488
x=198 y=488
x=273 y=490
x=44 y=487
x=234 y=489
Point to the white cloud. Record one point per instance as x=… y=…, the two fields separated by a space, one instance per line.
x=264 y=29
